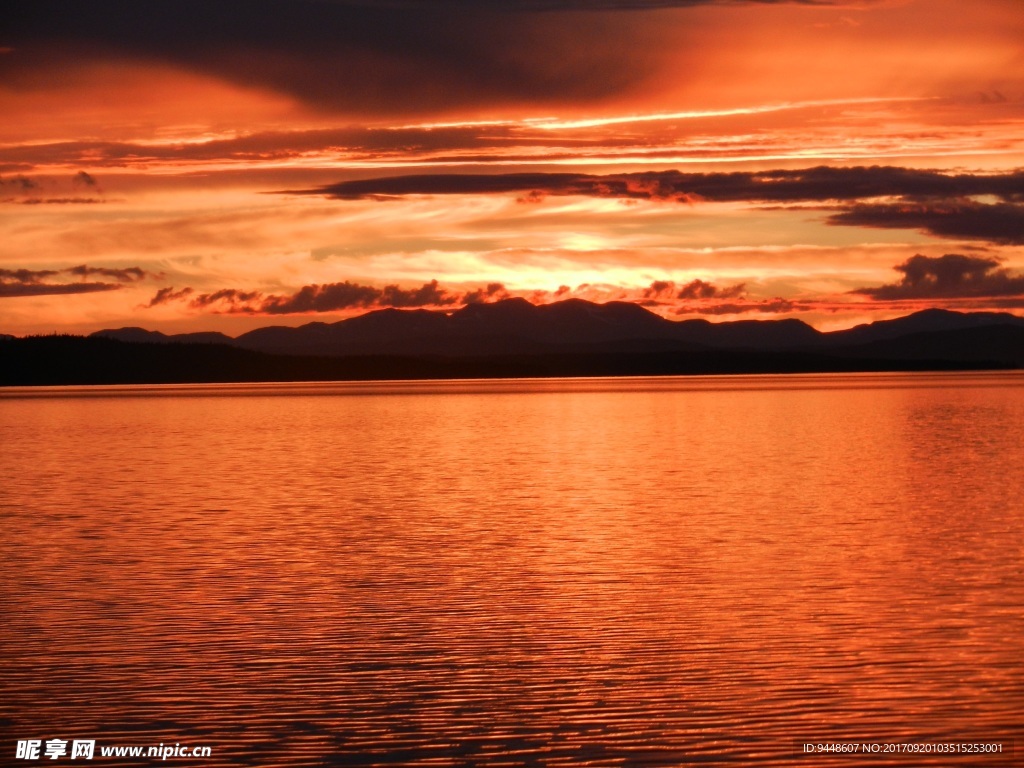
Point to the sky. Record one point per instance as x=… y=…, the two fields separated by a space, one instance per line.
x=187 y=165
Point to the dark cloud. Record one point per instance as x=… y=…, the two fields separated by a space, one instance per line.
x=346 y=295
x=332 y=297
x=20 y=183
x=26 y=276
x=84 y=179
x=491 y=292
x=360 y=141
x=10 y=290
x=769 y=306
x=665 y=290
x=357 y=58
x=952 y=275
x=57 y=200
x=995 y=222
x=367 y=57
x=124 y=275
x=393 y=187
x=167 y=295
x=937 y=202
x=231 y=299
x=34 y=282
x=820 y=184
x=698 y=289
x=27 y=190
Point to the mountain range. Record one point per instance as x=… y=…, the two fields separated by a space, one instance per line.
x=517 y=327
x=514 y=338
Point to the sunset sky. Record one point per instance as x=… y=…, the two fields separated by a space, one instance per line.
x=228 y=164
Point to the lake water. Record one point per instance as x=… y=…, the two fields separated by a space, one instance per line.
x=601 y=572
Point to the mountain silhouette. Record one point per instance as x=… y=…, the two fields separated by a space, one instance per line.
x=512 y=326
x=514 y=338
x=515 y=326
x=1002 y=343
x=925 y=321
x=136 y=334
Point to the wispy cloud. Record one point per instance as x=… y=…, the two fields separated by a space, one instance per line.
x=28 y=190
x=330 y=297
x=345 y=296
x=124 y=274
x=820 y=184
x=168 y=295
x=14 y=290
x=662 y=291
x=37 y=282
x=598 y=122
x=776 y=306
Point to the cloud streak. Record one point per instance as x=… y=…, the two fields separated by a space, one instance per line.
x=347 y=295
x=820 y=183
x=1001 y=223
x=14 y=290
x=330 y=297
x=939 y=203
x=35 y=282
x=124 y=275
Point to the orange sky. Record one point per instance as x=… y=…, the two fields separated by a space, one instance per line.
x=214 y=167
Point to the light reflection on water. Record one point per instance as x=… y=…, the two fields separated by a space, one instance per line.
x=545 y=572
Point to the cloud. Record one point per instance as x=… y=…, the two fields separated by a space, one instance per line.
x=661 y=291
x=952 y=275
x=20 y=183
x=83 y=179
x=348 y=295
x=359 y=58
x=167 y=295
x=699 y=297
x=698 y=289
x=26 y=276
x=525 y=142
x=769 y=307
x=58 y=200
x=359 y=141
x=33 y=282
x=1001 y=223
x=333 y=297
x=11 y=290
x=27 y=190
x=336 y=297
x=230 y=299
x=491 y=292
x=124 y=275
x=821 y=183
x=363 y=57
x=936 y=202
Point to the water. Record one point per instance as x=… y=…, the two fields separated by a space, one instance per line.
x=605 y=572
